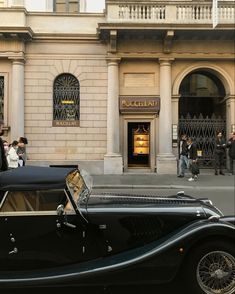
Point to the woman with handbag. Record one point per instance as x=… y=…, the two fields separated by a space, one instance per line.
x=192 y=156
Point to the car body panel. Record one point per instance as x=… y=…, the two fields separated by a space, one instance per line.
x=63 y=233
x=147 y=256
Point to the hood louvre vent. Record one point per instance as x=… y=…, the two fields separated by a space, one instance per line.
x=130 y=198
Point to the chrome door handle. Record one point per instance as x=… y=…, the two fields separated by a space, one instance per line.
x=14 y=251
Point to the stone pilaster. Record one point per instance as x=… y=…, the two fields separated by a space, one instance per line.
x=230 y=114
x=18 y=3
x=82 y=6
x=112 y=160
x=17 y=99
x=49 y=5
x=166 y=161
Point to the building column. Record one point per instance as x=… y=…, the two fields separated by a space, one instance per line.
x=166 y=162
x=112 y=160
x=230 y=114
x=18 y=3
x=230 y=119
x=82 y=6
x=17 y=99
x=49 y=6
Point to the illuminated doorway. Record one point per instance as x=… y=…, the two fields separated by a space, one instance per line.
x=138 y=144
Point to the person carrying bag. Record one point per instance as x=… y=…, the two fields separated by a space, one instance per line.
x=192 y=156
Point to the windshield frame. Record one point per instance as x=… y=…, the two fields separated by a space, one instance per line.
x=79 y=184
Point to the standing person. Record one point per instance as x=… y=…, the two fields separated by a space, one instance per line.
x=12 y=157
x=192 y=157
x=183 y=160
x=21 y=151
x=6 y=147
x=231 y=153
x=220 y=147
x=3 y=159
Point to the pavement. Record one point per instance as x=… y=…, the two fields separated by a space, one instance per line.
x=206 y=180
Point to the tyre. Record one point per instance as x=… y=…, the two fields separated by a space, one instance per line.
x=210 y=269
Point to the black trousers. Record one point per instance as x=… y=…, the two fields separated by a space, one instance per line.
x=231 y=165
x=219 y=160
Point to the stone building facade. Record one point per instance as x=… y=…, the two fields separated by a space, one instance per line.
x=112 y=91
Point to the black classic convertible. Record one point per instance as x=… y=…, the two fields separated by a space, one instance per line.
x=54 y=231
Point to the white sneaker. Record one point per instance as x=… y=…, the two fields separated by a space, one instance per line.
x=191 y=179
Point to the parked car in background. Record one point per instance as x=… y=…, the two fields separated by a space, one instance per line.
x=55 y=231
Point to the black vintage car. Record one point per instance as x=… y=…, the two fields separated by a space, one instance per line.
x=54 y=231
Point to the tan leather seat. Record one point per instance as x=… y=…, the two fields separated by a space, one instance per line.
x=16 y=201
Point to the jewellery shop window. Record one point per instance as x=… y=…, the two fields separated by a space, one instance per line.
x=141 y=141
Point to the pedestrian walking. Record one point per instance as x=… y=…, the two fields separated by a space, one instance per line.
x=183 y=156
x=220 y=148
x=3 y=159
x=12 y=156
x=192 y=157
x=231 y=153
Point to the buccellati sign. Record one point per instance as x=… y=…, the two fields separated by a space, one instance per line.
x=139 y=104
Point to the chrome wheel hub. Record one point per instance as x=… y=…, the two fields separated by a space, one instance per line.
x=216 y=273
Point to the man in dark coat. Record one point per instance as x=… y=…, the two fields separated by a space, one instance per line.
x=192 y=157
x=183 y=160
x=220 y=147
x=3 y=159
x=231 y=153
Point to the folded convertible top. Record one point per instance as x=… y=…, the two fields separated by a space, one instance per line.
x=34 y=177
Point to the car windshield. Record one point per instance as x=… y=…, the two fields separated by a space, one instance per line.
x=79 y=183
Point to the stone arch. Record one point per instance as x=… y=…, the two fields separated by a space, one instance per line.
x=217 y=71
x=199 y=122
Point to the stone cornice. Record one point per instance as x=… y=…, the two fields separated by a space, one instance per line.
x=161 y=26
x=177 y=56
x=17 y=57
x=20 y=33
x=113 y=59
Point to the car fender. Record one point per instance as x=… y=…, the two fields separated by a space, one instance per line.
x=230 y=219
x=140 y=255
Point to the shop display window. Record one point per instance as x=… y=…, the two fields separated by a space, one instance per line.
x=141 y=141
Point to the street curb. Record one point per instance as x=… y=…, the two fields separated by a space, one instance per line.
x=160 y=187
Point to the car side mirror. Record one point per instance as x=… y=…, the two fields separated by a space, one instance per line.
x=60 y=209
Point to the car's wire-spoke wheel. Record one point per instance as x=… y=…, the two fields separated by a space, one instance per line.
x=216 y=273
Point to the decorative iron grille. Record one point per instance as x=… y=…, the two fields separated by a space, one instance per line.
x=203 y=131
x=66 y=101
x=1 y=98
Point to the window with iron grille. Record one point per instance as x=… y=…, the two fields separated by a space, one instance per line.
x=1 y=98
x=66 y=101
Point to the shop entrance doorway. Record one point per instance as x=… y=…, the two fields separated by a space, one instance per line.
x=138 y=144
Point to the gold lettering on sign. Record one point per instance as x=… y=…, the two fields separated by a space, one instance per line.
x=139 y=104
x=64 y=123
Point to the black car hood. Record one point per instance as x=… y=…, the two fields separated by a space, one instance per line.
x=176 y=204
x=114 y=200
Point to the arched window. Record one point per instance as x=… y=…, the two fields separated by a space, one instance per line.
x=66 y=100
x=202 y=84
x=202 y=93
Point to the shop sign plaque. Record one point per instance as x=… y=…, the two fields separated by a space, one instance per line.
x=65 y=123
x=150 y=104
